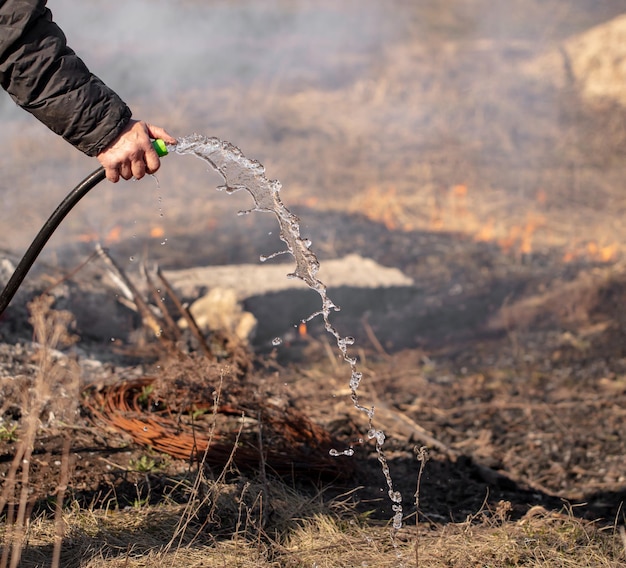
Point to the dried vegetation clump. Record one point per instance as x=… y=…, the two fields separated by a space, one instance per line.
x=46 y=400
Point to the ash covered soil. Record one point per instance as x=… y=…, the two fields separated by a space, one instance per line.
x=514 y=380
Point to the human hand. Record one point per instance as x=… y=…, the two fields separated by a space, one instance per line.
x=131 y=154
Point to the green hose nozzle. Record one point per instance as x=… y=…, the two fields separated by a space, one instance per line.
x=160 y=146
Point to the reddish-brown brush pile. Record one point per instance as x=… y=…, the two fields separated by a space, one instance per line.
x=213 y=428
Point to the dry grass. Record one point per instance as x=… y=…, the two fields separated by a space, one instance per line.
x=51 y=395
x=136 y=538
x=540 y=539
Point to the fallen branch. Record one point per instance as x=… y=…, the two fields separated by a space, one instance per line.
x=185 y=313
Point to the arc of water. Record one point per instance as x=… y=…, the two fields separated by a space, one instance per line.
x=241 y=173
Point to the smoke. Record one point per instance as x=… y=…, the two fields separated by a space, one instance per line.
x=155 y=52
x=145 y=48
x=416 y=95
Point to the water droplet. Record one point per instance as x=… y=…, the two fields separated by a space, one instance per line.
x=397 y=520
x=355 y=380
x=348 y=452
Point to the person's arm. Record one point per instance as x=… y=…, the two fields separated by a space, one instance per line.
x=46 y=78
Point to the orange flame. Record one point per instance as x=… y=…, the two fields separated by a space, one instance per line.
x=302 y=331
x=609 y=252
x=518 y=239
x=114 y=235
x=507 y=243
x=88 y=237
x=593 y=251
x=382 y=206
x=459 y=194
x=526 y=245
x=157 y=232
x=486 y=232
x=569 y=256
x=459 y=191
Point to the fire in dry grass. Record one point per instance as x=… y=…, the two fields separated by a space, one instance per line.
x=157 y=232
x=519 y=238
x=383 y=205
x=511 y=238
x=450 y=211
x=593 y=251
x=114 y=235
x=90 y=237
x=302 y=329
x=486 y=232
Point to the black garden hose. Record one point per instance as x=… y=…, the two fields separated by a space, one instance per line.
x=51 y=225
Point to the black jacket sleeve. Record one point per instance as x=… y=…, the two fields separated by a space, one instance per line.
x=46 y=78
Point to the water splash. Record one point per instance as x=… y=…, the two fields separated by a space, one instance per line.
x=241 y=173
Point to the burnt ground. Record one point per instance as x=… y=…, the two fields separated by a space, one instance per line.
x=509 y=368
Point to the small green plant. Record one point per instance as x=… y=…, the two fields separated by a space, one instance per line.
x=145 y=464
x=198 y=413
x=144 y=397
x=8 y=433
x=139 y=503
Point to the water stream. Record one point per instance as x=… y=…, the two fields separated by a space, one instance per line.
x=241 y=173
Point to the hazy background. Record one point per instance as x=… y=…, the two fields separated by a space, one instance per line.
x=363 y=107
x=167 y=60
